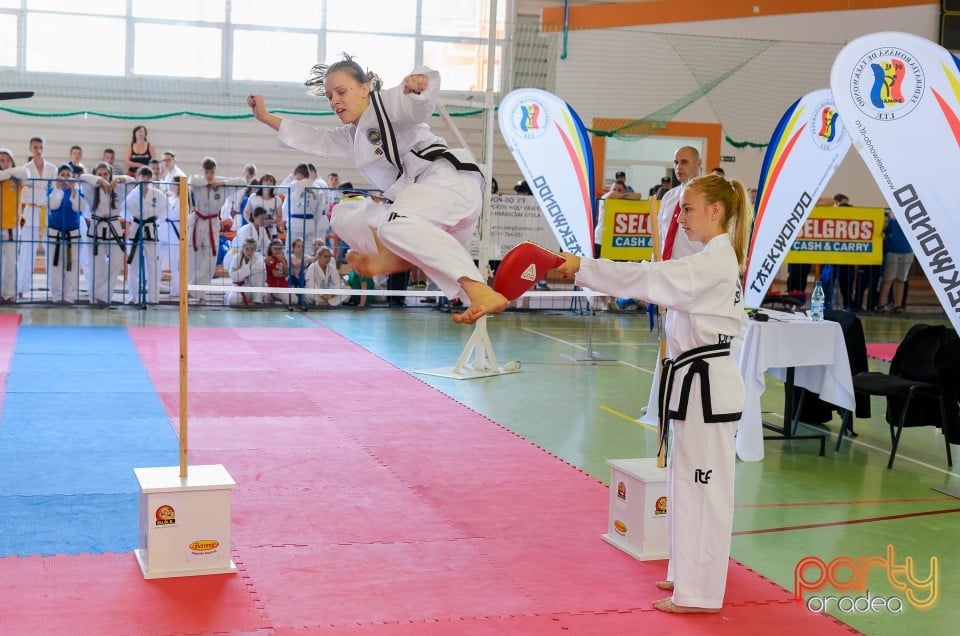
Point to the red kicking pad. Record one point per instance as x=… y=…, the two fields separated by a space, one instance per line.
x=522 y=267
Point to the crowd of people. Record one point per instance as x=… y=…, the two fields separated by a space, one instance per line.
x=113 y=231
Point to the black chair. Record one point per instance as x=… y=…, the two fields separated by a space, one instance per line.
x=922 y=387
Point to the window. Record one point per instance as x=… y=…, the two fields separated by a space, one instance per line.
x=75 y=44
x=463 y=67
x=180 y=10
x=390 y=57
x=372 y=16
x=278 y=13
x=101 y=7
x=177 y=50
x=8 y=40
x=460 y=18
x=273 y=56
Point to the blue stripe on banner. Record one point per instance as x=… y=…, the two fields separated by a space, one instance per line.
x=80 y=413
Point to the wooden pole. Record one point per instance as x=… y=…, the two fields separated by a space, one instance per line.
x=654 y=209
x=184 y=210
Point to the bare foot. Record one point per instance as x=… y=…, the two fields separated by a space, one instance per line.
x=383 y=262
x=483 y=300
x=666 y=605
x=665 y=585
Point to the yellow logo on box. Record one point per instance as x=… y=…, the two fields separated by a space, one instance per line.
x=620 y=527
x=204 y=545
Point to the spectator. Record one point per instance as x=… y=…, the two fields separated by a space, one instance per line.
x=246 y=269
x=10 y=179
x=657 y=191
x=897 y=259
x=620 y=175
x=494 y=187
x=617 y=189
x=169 y=171
x=169 y=233
x=110 y=157
x=144 y=207
x=63 y=234
x=356 y=281
x=257 y=231
x=333 y=182
x=277 y=270
x=266 y=197
x=76 y=159
x=34 y=203
x=305 y=207
x=106 y=230
x=139 y=152
x=323 y=274
x=522 y=188
x=720 y=172
x=298 y=265
x=202 y=234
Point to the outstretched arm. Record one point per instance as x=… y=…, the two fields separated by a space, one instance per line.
x=255 y=102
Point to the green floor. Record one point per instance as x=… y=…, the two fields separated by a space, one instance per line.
x=792 y=505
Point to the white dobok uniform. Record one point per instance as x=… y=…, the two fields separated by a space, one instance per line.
x=259 y=234
x=705 y=401
x=436 y=192
x=106 y=233
x=682 y=246
x=244 y=273
x=34 y=200
x=305 y=210
x=169 y=232
x=329 y=278
x=145 y=208
x=203 y=228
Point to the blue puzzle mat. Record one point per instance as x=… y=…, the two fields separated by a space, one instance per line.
x=79 y=414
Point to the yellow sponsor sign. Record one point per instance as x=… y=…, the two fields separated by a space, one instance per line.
x=626 y=230
x=840 y=236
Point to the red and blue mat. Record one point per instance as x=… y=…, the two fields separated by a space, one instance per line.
x=366 y=502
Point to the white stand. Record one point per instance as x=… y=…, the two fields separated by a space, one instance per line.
x=477 y=359
x=638 y=508
x=184 y=523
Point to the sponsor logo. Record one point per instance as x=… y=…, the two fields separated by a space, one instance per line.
x=204 y=545
x=530 y=273
x=620 y=527
x=825 y=126
x=530 y=118
x=846 y=574
x=165 y=516
x=622 y=491
x=660 y=508
x=702 y=476
x=887 y=83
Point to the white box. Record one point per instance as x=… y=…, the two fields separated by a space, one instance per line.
x=184 y=523
x=638 y=508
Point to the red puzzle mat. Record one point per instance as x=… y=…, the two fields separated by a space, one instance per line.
x=367 y=502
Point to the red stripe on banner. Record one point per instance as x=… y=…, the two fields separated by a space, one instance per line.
x=949 y=114
x=577 y=160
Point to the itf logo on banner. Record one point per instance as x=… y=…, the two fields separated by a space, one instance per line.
x=887 y=83
x=825 y=127
x=530 y=119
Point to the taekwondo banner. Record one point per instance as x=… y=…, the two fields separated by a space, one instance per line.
x=899 y=98
x=550 y=144
x=806 y=147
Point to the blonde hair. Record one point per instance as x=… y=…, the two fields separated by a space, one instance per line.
x=737 y=215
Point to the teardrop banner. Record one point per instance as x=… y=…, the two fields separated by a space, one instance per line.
x=898 y=95
x=550 y=144
x=807 y=145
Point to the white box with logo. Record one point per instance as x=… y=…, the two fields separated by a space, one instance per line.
x=638 y=508
x=184 y=522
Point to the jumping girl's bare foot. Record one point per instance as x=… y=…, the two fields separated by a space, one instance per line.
x=483 y=300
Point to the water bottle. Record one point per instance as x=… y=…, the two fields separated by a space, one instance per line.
x=816 y=303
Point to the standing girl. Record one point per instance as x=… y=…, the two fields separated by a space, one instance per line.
x=701 y=388
x=105 y=230
x=139 y=152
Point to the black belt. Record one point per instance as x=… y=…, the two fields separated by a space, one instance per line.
x=437 y=151
x=103 y=230
x=63 y=236
x=144 y=227
x=696 y=359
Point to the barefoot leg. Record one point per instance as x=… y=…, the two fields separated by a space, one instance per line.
x=667 y=605
x=483 y=300
x=383 y=262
